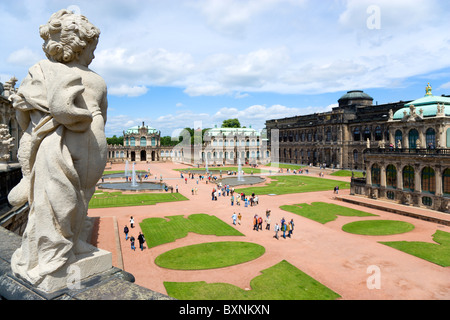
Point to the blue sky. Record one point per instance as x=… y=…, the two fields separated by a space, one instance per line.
x=173 y=62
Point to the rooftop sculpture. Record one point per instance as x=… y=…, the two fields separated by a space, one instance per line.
x=61 y=107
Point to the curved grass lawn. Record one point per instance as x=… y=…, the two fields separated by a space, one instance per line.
x=282 y=281
x=159 y=231
x=438 y=253
x=378 y=227
x=103 y=199
x=210 y=255
x=323 y=212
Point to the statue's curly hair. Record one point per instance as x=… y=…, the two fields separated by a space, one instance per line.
x=66 y=35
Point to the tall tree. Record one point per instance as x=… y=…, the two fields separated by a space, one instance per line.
x=231 y=123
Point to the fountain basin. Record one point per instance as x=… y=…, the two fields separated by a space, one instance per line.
x=128 y=186
x=244 y=180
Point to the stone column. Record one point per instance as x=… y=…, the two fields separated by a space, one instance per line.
x=417 y=178
x=399 y=176
x=438 y=179
x=383 y=175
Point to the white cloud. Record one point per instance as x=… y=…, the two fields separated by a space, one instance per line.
x=24 y=57
x=444 y=86
x=128 y=91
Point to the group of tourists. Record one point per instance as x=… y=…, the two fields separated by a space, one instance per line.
x=287 y=228
x=235 y=198
x=141 y=238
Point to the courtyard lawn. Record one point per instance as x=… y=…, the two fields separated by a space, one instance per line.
x=297 y=183
x=438 y=253
x=347 y=173
x=286 y=166
x=210 y=255
x=158 y=231
x=323 y=212
x=102 y=199
x=282 y=281
x=378 y=227
x=216 y=170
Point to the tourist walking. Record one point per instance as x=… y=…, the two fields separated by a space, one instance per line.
x=132 y=222
x=255 y=222
x=234 y=217
x=260 y=221
x=232 y=200
x=239 y=218
x=132 y=243
x=126 y=230
x=268 y=222
x=141 y=240
x=289 y=229
x=284 y=228
x=277 y=228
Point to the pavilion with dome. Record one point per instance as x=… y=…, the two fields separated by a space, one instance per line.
x=140 y=143
x=415 y=168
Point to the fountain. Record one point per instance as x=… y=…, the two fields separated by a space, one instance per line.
x=239 y=173
x=133 y=178
x=206 y=165
x=126 y=170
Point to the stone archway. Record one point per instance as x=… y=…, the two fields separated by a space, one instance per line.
x=143 y=155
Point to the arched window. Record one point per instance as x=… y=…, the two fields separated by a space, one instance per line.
x=376 y=177
x=398 y=137
x=430 y=138
x=356 y=134
x=428 y=180
x=153 y=141
x=127 y=142
x=355 y=156
x=391 y=176
x=448 y=138
x=132 y=141
x=367 y=133
x=143 y=142
x=446 y=182
x=413 y=136
x=329 y=135
x=378 y=134
x=408 y=178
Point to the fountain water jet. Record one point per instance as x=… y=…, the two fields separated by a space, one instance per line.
x=133 y=178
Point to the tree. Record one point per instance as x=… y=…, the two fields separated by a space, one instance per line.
x=115 y=140
x=231 y=123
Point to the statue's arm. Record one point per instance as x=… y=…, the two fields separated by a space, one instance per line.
x=67 y=105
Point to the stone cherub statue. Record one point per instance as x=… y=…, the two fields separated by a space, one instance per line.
x=61 y=108
x=6 y=144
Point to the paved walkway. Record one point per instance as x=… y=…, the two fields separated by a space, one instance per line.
x=337 y=259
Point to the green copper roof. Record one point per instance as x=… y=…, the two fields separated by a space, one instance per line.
x=232 y=131
x=135 y=130
x=355 y=95
x=428 y=104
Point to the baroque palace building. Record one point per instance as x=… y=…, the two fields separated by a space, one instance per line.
x=218 y=147
x=403 y=147
x=336 y=138
x=140 y=143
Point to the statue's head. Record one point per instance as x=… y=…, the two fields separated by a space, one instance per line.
x=69 y=37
